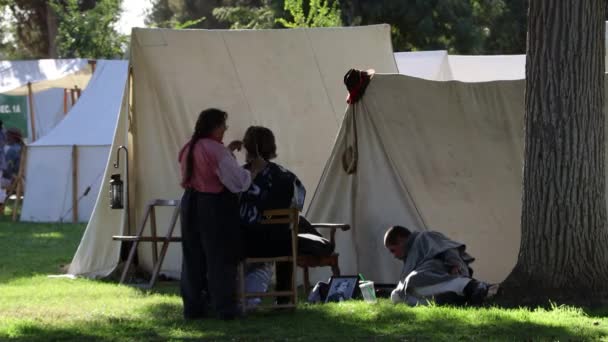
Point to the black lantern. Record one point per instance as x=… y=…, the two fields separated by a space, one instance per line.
x=116 y=191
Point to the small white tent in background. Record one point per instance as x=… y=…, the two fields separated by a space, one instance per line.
x=40 y=80
x=428 y=65
x=83 y=140
x=487 y=68
x=49 y=111
x=287 y=80
x=43 y=74
x=439 y=66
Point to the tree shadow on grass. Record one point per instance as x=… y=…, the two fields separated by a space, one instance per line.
x=309 y=322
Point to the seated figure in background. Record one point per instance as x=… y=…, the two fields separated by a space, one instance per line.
x=12 y=156
x=11 y=159
x=434 y=267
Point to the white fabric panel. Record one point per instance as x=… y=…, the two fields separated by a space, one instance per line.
x=48 y=111
x=429 y=65
x=487 y=68
x=97 y=254
x=92 y=120
x=48 y=184
x=288 y=80
x=453 y=151
x=43 y=74
x=48 y=189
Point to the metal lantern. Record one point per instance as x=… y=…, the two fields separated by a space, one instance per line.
x=116 y=191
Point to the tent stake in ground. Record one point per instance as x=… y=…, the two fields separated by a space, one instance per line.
x=18 y=183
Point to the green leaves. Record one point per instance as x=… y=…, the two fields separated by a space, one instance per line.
x=90 y=33
x=246 y=17
x=320 y=13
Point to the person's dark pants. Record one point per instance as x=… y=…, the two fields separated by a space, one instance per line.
x=211 y=247
x=265 y=241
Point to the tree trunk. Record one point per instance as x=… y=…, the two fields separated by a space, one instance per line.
x=563 y=253
x=51 y=26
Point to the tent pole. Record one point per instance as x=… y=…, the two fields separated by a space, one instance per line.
x=65 y=101
x=93 y=64
x=74 y=184
x=19 y=180
x=73 y=96
x=30 y=96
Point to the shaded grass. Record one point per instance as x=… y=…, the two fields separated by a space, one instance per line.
x=36 y=307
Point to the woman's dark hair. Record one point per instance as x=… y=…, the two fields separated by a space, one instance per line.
x=259 y=142
x=208 y=120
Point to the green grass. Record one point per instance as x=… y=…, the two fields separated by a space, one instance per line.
x=36 y=307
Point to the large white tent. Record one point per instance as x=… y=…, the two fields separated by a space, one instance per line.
x=287 y=80
x=83 y=140
x=443 y=156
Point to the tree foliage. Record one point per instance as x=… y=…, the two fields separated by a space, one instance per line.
x=34 y=29
x=240 y=16
x=174 y=13
x=318 y=13
x=88 y=33
x=460 y=26
x=27 y=34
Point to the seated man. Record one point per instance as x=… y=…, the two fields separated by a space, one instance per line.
x=14 y=141
x=11 y=158
x=434 y=267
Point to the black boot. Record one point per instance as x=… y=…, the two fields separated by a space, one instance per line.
x=476 y=292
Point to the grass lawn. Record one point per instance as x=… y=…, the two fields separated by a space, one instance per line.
x=36 y=307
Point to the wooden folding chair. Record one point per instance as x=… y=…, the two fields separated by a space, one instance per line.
x=153 y=238
x=306 y=261
x=273 y=217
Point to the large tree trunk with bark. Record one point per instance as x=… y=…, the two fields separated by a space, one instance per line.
x=564 y=243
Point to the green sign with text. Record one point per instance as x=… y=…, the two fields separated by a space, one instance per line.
x=13 y=112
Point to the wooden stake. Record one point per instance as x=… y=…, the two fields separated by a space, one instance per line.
x=93 y=64
x=74 y=184
x=30 y=96
x=19 y=180
x=73 y=96
x=65 y=101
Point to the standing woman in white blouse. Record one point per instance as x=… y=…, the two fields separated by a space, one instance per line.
x=211 y=241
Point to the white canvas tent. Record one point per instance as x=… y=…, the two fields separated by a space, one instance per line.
x=443 y=156
x=87 y=131
x=428 y=65
x=49 y=108
x=487 y=68
x=43 y=74
x=44 y=80
x=287 y=80
x=439 y=66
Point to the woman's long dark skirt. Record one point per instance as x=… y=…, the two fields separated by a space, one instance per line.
x=211 y=246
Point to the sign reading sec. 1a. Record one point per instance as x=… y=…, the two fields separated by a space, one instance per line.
x=13 y=112
x=10 y=109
